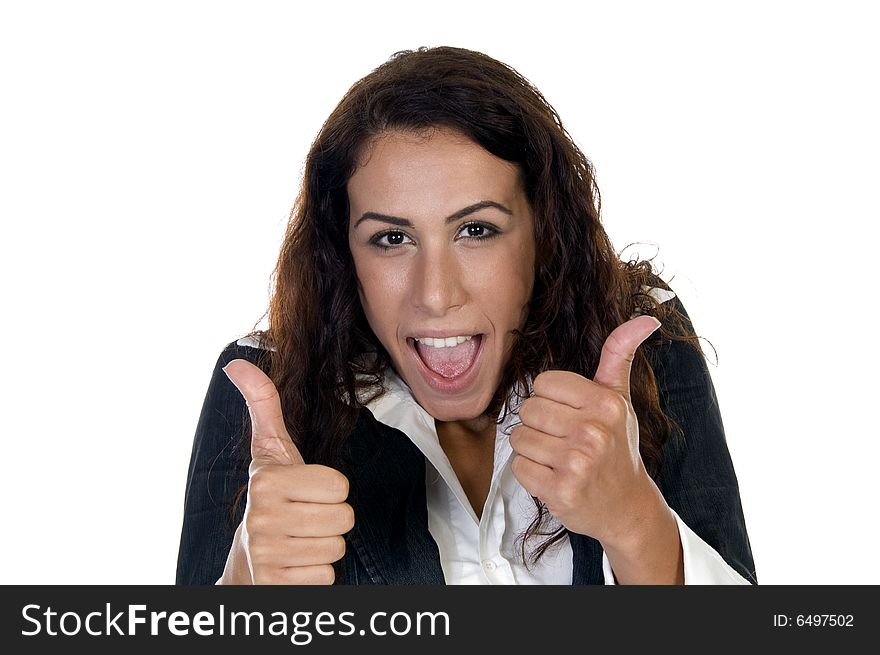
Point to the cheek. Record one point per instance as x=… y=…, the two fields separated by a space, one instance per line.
x=508 y=284
x=378 y=291
x=371 y=299
x=365 y=284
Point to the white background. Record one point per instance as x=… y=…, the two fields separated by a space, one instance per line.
x=150 y=153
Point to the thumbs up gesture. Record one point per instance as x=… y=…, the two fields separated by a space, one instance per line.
x=577 y=449
x=296 y=513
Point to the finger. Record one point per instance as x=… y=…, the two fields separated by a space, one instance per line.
x=310 y=483
x=538 y=446
x=302 y=520
x=564 y=387
x=535 y=478
x=556 y=418
x=270 y=443
x=321 y=574
x=281 y=552
x=618 y=352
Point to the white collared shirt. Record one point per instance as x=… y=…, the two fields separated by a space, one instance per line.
x=485 y=550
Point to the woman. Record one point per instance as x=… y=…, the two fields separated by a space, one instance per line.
x=482 y=390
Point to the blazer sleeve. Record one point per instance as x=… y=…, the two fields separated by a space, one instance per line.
x=217 y=474
x=697 y=477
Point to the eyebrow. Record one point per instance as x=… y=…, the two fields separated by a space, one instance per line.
x=461 y=213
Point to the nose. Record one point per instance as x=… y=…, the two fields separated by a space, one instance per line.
x=438 y=285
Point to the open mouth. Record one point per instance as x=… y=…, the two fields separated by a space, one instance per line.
x=449 y=358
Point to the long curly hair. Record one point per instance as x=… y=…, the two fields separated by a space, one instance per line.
x=318 y=332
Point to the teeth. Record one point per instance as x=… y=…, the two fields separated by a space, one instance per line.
x=447 y=342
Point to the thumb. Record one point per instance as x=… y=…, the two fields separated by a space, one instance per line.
x=270 y=442
x=618 y=352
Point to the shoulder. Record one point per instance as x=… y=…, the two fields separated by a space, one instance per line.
x=253 y=341
x=251 y=348
x=674 y=351
x=221 y=392
x=658 y=299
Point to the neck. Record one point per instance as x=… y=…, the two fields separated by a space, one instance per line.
x=470 y=448
x=474 y=427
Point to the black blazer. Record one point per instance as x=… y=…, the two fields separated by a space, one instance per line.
x=390 y=542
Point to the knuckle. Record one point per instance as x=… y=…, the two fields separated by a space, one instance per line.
x=256 y=521
x=617 y=346
x=256 y=542
x=614 y=405
x=543 y=381
x=567 y=494
x=338 y=484
x=265 y=390
x=537 y=384
x=594 y=438
x=587 y=432
x=346 y=517
x=601 y=444
x=516 y=466
x=259 y=549
x=258 y=482
x=263 y=480
x=324 y=574
x=525 y=409
x=337 y=548
x=578 y=463
x=540 y=411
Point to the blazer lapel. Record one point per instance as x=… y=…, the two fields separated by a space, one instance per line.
x=390 y=537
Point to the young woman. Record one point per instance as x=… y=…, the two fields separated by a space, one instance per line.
x=461 y=382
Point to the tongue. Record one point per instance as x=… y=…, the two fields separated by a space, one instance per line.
x=452 y=361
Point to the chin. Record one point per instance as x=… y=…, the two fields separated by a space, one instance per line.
x=447 y=410
x=452 y=415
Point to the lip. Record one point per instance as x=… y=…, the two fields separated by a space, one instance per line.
x=441 y=334
x=438 y=382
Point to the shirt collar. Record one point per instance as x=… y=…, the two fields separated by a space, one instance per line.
x=398 y=408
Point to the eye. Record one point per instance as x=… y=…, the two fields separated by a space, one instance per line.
x=478 y=231
x=389 y=240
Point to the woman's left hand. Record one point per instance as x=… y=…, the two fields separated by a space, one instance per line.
x=577 y=449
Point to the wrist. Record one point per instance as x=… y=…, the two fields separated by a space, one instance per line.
x=237 y=571
x=649 y=551
x=635 y=533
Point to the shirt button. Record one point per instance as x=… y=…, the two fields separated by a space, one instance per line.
x=489 y=565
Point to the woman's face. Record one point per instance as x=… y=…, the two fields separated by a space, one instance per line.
x=443 y=243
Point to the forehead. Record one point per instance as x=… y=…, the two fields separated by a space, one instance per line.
x=438 y=167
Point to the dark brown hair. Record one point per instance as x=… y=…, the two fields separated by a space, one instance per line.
x=582 y=289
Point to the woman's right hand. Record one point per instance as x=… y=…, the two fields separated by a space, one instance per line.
x=296 y=513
